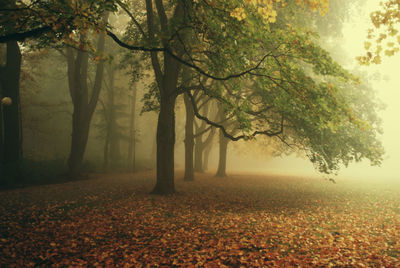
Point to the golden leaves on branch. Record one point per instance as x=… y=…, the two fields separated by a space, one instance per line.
x=384 y=37
x=267 y=8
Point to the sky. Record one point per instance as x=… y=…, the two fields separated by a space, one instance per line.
x=388 y=90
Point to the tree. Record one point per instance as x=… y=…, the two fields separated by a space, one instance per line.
x=223 y=146
x=300 y=83
x=384 y=38
x=194 y=144
x=111 y=128
x=286 y=86
x=11 y=150
x=132 y=133
x=84 y=101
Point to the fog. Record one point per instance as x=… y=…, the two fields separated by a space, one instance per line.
x=198 y=134
x=47 y=109
x=387 y=86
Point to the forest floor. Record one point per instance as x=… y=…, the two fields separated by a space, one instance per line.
x=243 y=220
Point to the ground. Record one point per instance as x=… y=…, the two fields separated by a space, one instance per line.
x=243 y=220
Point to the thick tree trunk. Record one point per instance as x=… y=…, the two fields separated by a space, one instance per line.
x=79 y=138
x=189 y=140
x=167 y=80
x=223 y=148
x=11 y=140
x=1 y=130
x=165 y=147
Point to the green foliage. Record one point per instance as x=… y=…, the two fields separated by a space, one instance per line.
x=285 y=84
x=53 y=21
x=151 y=99
x=292 y=84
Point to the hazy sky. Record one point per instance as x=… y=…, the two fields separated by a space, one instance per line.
x=388 y=89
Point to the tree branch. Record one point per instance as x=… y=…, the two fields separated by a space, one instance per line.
x=24 y=35
x=222 y=128
x=191 y=65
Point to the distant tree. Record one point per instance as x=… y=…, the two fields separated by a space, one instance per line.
x=84 y=100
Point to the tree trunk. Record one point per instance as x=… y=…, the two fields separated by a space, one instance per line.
x=84 y=105
x=132 y=134
x=11 y=140
x=112 y=133
x=223 y=148
x=167 y=80
x=166 y=125
x=165 y=147
x=208 y=146
x=105 y=151
x=206 y=155
x=189 y=140
x=79 y=138
x=198 y=154
x=1 y=128
x=199 y=143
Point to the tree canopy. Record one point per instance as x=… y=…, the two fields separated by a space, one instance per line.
x=273 y=77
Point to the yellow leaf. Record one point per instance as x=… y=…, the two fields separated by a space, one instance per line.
x=377 y=60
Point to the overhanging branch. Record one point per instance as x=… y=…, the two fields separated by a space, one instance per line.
x=191 y=65
x=24 y=35
x=222 y=128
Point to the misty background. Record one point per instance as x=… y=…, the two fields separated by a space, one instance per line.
x=385 y=82
x=46 y=115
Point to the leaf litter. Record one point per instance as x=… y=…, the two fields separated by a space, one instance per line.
x=245 y=220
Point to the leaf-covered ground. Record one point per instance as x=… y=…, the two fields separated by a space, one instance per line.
x=242 y=220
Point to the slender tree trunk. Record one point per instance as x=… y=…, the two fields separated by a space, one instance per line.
x=132 y=134
x=198 y=154
x=113 y=146
x=105 y=152
x=153 y=152
x=199 y=143
x=208 y=146
x=11 y=140
x=223 y=148
x=206 y=155
x=84 y=105
x=189 y=140
x=106 y=138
